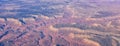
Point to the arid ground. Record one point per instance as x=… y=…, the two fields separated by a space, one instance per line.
x=59 y=22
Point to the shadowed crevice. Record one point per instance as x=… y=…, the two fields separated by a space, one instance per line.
x=1 y=36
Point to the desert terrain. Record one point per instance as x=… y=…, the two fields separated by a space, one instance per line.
x=59 y=23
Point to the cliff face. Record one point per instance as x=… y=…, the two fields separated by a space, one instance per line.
x=59 y=23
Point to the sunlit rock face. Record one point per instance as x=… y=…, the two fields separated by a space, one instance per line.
x=59 y=23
